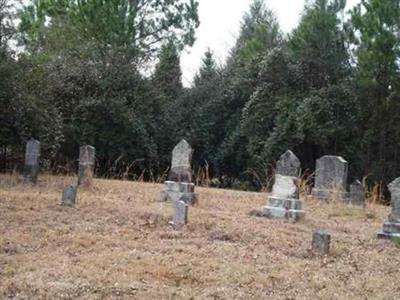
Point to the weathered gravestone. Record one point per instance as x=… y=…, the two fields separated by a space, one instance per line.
x=330 y=178
x=391 y=229
x=356 y=195
x=69 y=196
x=87 y=156
x=179 y=183
x=32 y=154
x=284 y=201
x=321 y=242
x=181 y=209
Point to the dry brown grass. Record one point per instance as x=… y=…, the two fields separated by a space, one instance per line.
x=117 y=244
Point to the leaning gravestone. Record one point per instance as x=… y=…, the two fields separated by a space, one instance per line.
x=330 y=178
x=284 y=201
x=179 y=183
x=391 y=229
x=87 y=155
x=32 y=154
x=69 y=196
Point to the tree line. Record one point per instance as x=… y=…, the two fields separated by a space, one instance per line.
x=107 y=73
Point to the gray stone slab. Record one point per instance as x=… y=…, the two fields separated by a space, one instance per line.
x=330 y=175
x=69 y=196
x=394 y=188
x=321 y=242
x=356 y=194
x=181 y=210
x=87 y=157
x=32 y=155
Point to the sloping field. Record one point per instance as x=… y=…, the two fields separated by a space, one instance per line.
x=117 y=244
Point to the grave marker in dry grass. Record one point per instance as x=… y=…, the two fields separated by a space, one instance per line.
x=69 y=196
x=391 y=229
x=179 y=183
x=87 y=155
x=357 y=194
x=330 y=178
x=32 y=154
x=284 y=202
x=181 y=210
x=321 y=242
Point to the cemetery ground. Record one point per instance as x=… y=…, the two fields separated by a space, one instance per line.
x=117 y=244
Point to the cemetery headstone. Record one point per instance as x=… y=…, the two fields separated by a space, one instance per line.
x=330 y=178
x=179 y=183
x=357 y=194
x=284 y=202
x=69 y=196
x=321 y=242
x=32 y=154
x=181 y=209
x=391 y=228
x=87 y=156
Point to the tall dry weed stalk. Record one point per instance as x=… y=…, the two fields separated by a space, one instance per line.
x=202 y=176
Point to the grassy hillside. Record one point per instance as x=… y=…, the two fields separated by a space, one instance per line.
x=117 y=244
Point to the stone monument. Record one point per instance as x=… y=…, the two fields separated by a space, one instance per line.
x=32 y=154
x=87 y=155
x=179 y=185
x=284 y=201
x=391 y=228
x=330 y=178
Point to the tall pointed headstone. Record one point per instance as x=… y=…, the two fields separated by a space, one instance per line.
x=284 y=201
x=330 y=178
x=181 y=169
x=179 y=184
x=32 y=154
x=87 y=156
x=391 y=228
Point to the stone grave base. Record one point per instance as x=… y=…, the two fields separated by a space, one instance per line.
x=390 y=231
x=280 y=208
x=327 y=195
x=179 y=190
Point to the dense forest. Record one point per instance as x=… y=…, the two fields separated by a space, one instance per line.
x=107 y=73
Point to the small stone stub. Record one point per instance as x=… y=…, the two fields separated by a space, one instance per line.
x=32 y=154
x=87 y=156
x=180 y=213
x=69 y=196
x=321 y=242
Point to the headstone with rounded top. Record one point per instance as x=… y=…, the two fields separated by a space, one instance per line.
x=284 y=202
x=181 y=210
x=69 y=196
x=330 y=178
x=32 y=154
x=87 y=156
x=391 y=228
